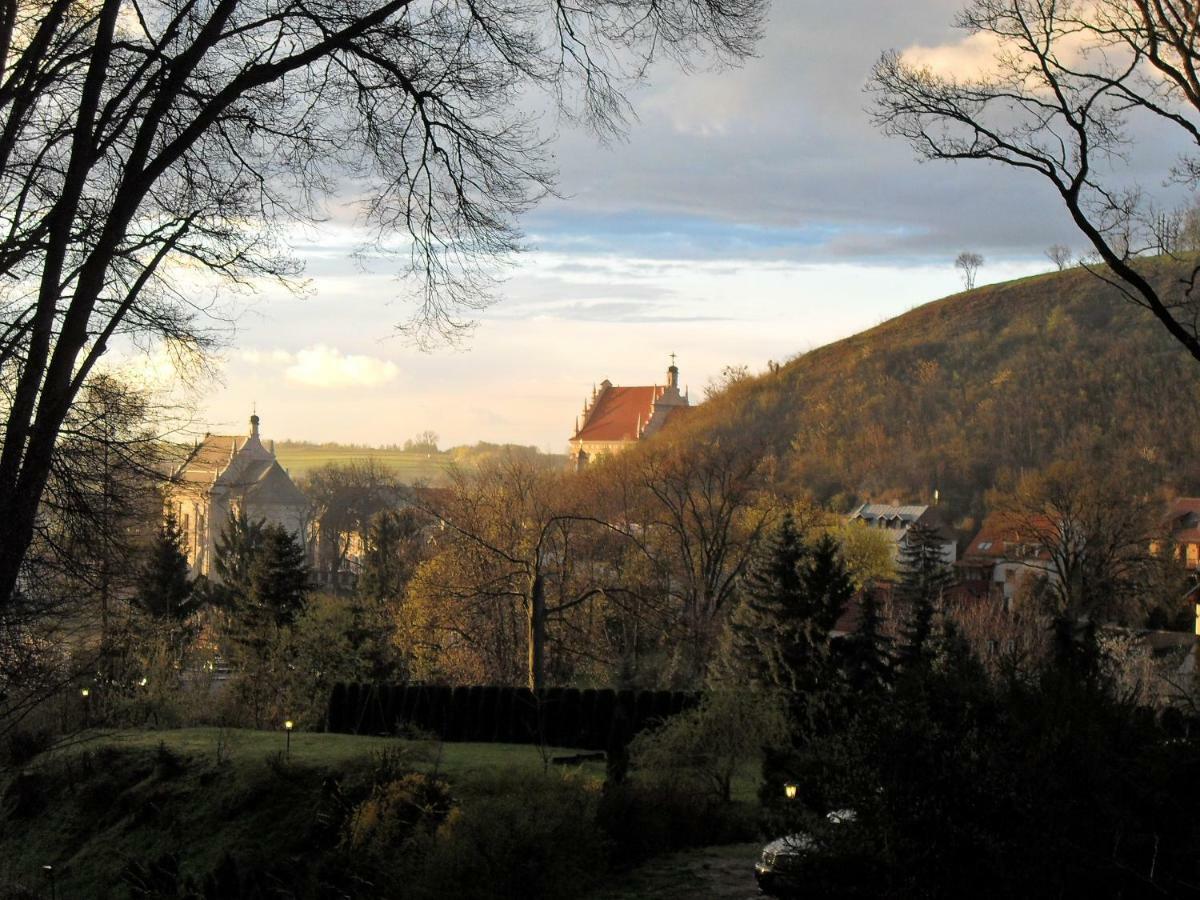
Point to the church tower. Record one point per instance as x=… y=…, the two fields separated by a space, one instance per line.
x=617 y=417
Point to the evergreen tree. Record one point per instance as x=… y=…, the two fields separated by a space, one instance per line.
x=265 y=602
x=827 y=584
x=925 y=579
x=233 y=557
x=866 y=654
x=767 y=618
x=389 y=559
x=278 y=576
x=779 y=635
x=163 y=589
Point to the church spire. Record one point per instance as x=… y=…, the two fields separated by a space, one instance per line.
x=673 y=375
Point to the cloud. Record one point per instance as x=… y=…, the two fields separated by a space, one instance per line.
x=322 y=366
x=972 y=57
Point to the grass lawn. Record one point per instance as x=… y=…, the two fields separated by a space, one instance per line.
x=240 y=746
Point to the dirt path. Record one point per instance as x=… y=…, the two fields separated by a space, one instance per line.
x=712 y=873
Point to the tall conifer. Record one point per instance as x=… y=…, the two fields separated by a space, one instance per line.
x=163 y=588
x=925 y=580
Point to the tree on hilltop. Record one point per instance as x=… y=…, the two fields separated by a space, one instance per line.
x=1065 y=87
x=968 y=263
x=1060 y=255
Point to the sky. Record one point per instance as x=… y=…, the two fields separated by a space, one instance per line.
x=749 y=215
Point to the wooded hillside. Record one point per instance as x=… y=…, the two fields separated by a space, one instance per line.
x=962 y=394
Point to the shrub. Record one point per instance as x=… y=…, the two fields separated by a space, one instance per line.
x=702 y=748
x=398 y=811
x=530 y=837
x=643 y=819
x=22 y=744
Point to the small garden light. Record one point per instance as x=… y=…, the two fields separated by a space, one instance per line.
x=84 y=692
x=287 y=727
x=49 y=870
x=789 y=791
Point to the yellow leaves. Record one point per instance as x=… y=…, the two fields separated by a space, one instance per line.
x=927 y=371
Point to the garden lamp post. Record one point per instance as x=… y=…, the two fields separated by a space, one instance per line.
x=85 y=694
x=49 y=870
x=287 y=727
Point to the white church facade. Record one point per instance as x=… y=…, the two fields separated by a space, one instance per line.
x=229 y=473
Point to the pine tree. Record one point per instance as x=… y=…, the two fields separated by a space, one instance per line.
x=278 y=576
x=925 y=579
x=389 y=560
x=778 y=637
x=163 y=589
x=827 y=584
x=765 y=619
x=866 y=654
x=234 y=555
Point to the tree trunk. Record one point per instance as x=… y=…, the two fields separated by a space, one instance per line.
x=537 y=633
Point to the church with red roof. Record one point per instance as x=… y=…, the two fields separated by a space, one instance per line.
x=617 y=417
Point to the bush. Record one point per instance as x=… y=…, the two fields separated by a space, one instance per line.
x=532 y=837
x=397 y=812
x=642 y=820
x=21 y=745
x=702 y=748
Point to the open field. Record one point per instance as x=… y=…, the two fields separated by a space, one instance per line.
x=410 y=466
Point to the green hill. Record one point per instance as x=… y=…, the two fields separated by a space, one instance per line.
x=962 y=394
x=410 y=466
x=300 y=458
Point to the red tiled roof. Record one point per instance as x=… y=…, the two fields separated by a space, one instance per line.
x=209 y=458
x=1002 y=534
x=615 y=415
x=1178 y=510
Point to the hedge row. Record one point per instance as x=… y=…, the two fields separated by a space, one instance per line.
x=559 y=717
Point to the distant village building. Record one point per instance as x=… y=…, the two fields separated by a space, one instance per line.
x=228 y=473
x=1181 y=525
x=618 y=417
x=1003 y=555
x=894 y=520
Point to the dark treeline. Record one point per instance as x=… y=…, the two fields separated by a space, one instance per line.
x=560 y=717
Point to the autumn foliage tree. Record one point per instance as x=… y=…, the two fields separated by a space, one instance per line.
x=514 y=573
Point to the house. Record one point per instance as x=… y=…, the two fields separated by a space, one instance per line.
x=1181 y=524
x=894 y=520
x=618 y=417
x=228 y=473
x=1004 y=553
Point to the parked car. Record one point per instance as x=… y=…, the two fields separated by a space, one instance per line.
x=781 y=870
